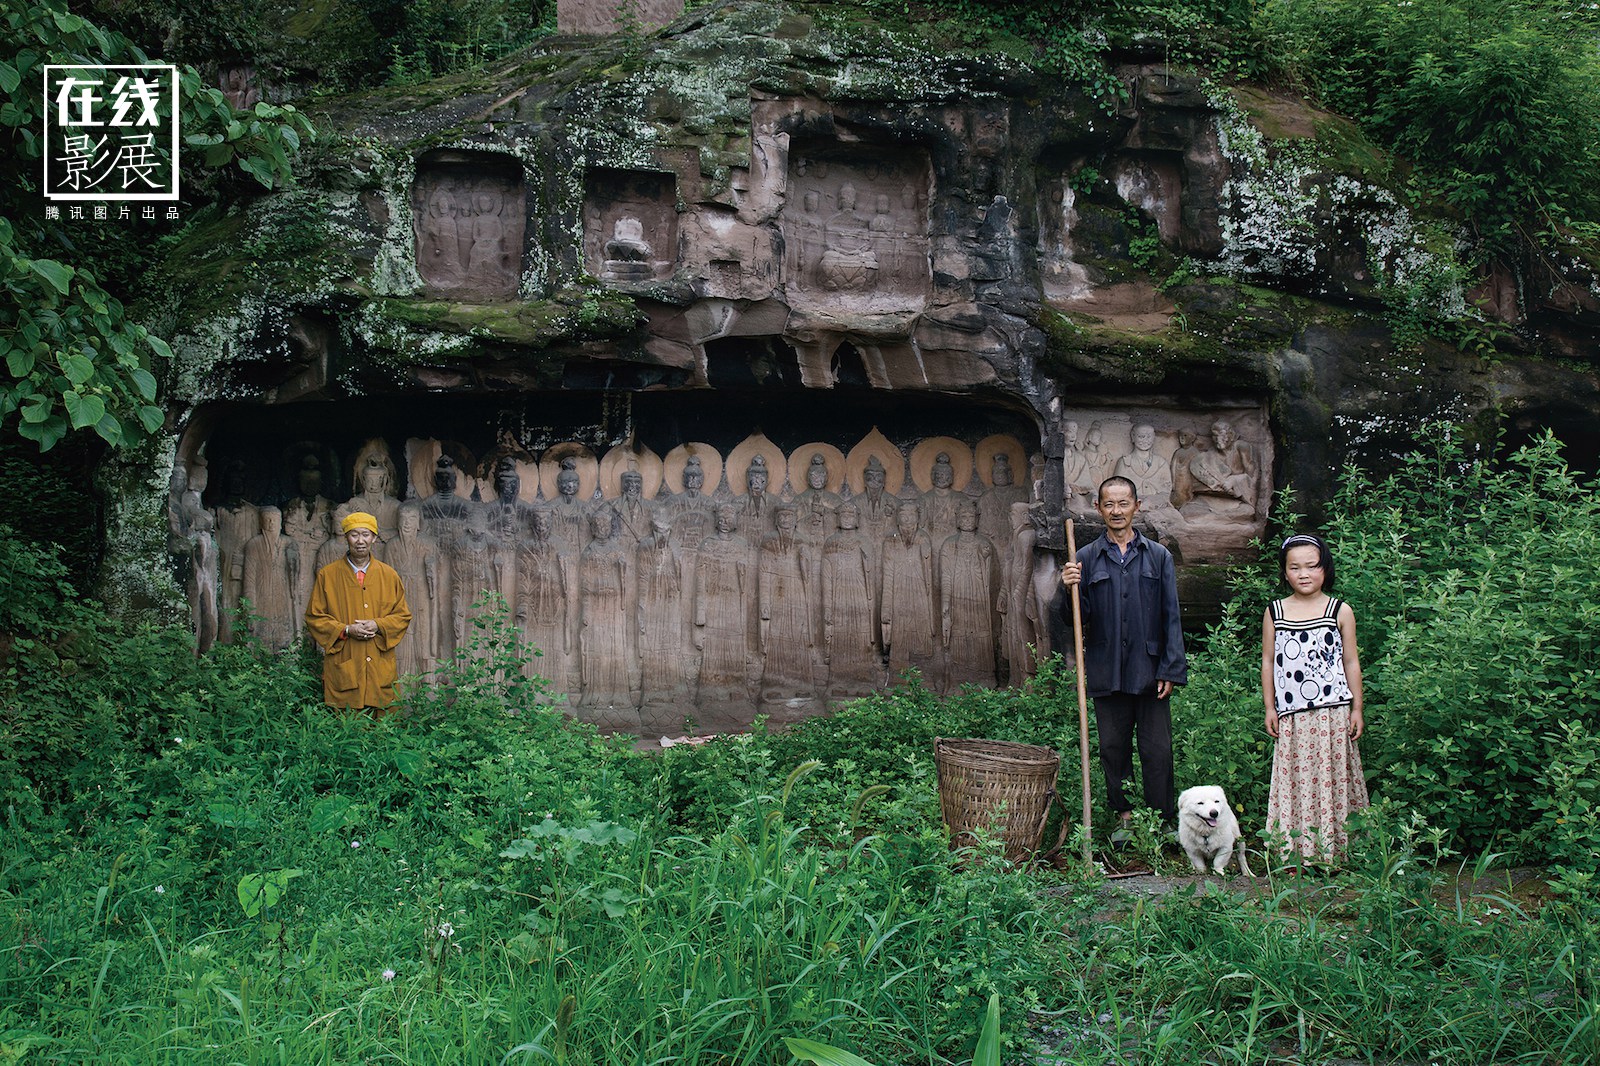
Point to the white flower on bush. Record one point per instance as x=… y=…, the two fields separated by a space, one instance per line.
x=388 y=975
x=446 y=930
x=160 y=890
x=355 y=843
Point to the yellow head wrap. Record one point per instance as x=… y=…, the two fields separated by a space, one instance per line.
x=358 y=520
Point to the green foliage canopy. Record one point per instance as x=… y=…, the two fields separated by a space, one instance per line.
x=1494 y=98
x=73 y=359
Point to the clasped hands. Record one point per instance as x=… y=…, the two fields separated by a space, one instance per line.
x=362 y=629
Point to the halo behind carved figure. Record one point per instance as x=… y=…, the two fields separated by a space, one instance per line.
x=422 y=458
x=739 y=462
x=894 y=463
x=710 y=462
x=1000 y=444
x=927 y=451
x=800 y=466
x=624 y=457
x=587 y=466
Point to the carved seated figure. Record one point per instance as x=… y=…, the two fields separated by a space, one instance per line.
x=628 y=256
x=1150 y=473
x=1223 y=481
x=848 y=262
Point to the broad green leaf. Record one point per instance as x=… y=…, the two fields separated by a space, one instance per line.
x=526 y=948
x=84 y=410
x=151 y=418
x=78 y=368
x=409 y=763
x=9 y=78
x=109 y=428
x=260 y=891
x=59 y=275
x=38 y=411
x=20 y=362
x=522 y=849
x=332 y=812
x=988 y=1050
x=231 y=815
x=822 y=1054
x=51 y=433
x=145 y=382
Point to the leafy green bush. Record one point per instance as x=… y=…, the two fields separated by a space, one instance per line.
x=1476 y=589
x=1494 y=98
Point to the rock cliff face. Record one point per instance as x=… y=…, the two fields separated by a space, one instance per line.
x=770 y=228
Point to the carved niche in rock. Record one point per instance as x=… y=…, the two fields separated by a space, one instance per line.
x=1204 y=477
x=645 y=589
x=856 y=231
x=470 y=216
x=630 y=225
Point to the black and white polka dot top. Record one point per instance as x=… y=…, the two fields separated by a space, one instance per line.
x=1308 y=660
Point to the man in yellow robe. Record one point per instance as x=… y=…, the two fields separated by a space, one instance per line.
x=357 y=616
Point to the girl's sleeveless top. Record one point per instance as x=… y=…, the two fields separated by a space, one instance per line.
x=1308 y=660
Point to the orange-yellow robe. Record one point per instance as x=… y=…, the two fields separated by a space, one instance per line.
x=357 y=673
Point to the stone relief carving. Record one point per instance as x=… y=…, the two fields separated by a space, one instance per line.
x=306 y=522
x=849 y=626
x=415 y=557
x=546 y=604
x=721 y=624
x=906 y=581
x=198 y=531
x=1204 y=477
x=237 y=521
x=607 y=668
x=604 y=16
x=715 y=584
x=470 y=221
x=238 y=84
x=856 y=231
x=785 y=588
x=269 y=575
x=664 y=682
x=630 y=225
x=969 y=579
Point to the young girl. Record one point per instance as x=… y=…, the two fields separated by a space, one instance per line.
x=1311 y=685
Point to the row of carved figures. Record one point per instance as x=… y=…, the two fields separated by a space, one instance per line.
x=1214 y=478
x=643 y=610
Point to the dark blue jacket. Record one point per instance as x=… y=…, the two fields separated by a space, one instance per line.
x=1132 y=636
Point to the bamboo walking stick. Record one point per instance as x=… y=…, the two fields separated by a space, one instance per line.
x=1083 y=700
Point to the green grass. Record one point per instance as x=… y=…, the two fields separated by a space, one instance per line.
x=199 y=863
x=541 y=894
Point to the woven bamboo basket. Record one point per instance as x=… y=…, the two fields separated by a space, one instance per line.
x=981 y=781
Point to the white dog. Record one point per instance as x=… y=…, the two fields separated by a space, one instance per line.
x=1208 y=830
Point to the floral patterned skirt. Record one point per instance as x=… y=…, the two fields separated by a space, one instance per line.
x=1316 y=781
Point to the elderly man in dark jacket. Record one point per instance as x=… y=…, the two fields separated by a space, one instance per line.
x=1133 y=647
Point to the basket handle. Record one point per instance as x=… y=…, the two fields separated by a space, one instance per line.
x=1038 y=834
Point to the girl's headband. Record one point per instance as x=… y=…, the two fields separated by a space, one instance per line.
x=1300 y=538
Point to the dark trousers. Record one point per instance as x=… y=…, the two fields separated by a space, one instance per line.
x=1119 y=716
